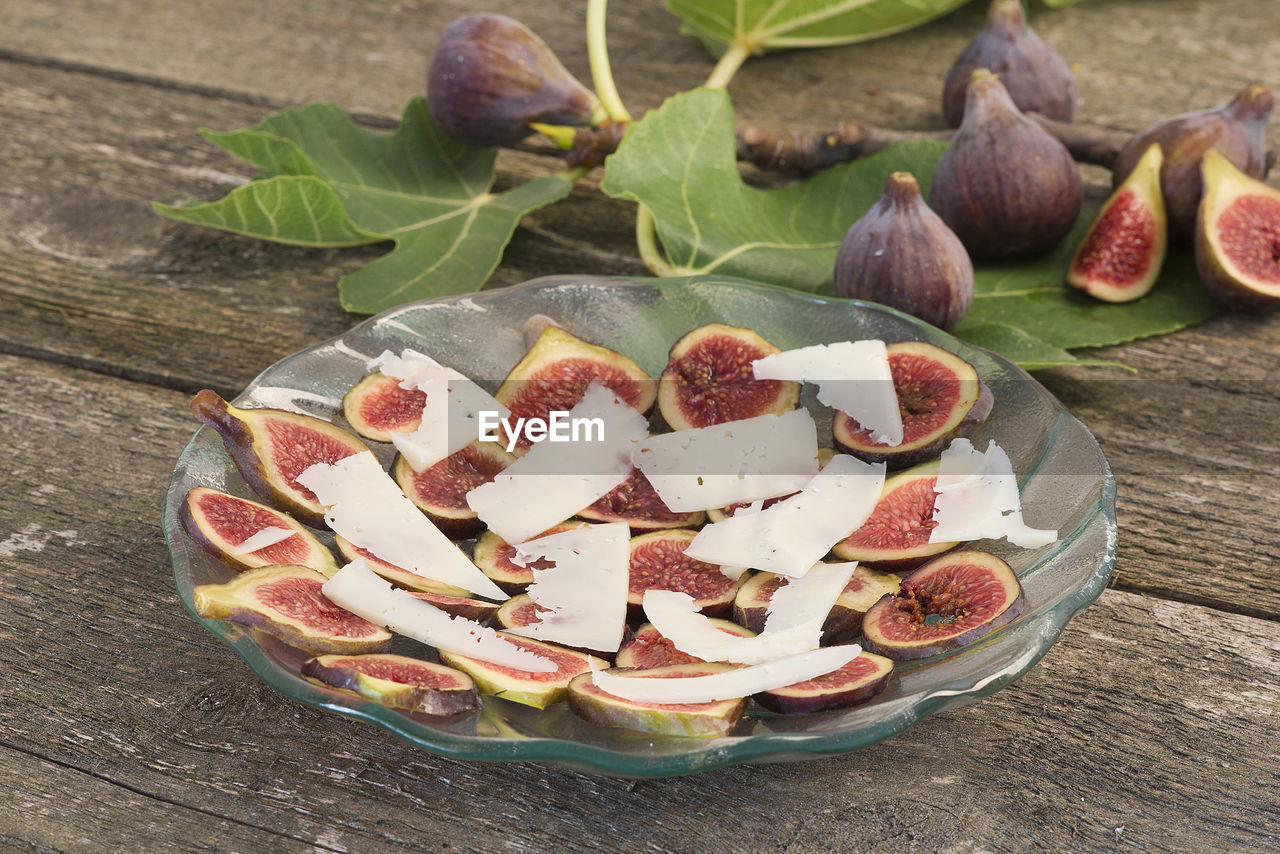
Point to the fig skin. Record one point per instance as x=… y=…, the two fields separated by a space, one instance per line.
x=926 y=378
x=286 y=602
x=843 y=624
x=1120 y=257
x=1037 y=77
x=658 y=563
x=441 y=490
x=1238 y=238
x=491 y=77
x=1004 y=185
x=397 y=681
x=708 y=379
x=896 y=626
x=207 y=513
x=647 y=648
x=705 y=720
x=857 y=682
x=900 y=254
x=537 y=689
x=1236 y=129
x=398 y=575
x=377 y=406
x=458 y=606
x=895 y=536
x=256 y=441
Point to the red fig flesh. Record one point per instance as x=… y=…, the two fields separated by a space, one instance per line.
x=857 y=682
x=1237 y=130
x=539 y=689
x=221 y=524
x=441 y=490
x=647 y=648
x=1238 y=238
x=635 y=502
x=896 y=535
x=1036 y=75
x=1120 y=257
x=377 y=406
x=1004 y=185
x=658 y=562
x=902 y=255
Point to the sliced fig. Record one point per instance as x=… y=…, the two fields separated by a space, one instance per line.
x=825 y=456
x=658 y=562
x=397 y=681
x=459 y=606
x=271 y=447
x=286 y=602
x=399 y=575
x=221 y=524
x=635 y=502
x=896 y=534
x=717 y=718
x=441 y=490
x=1121 y=254
x=855 y=683
x=556 y=371
x=940 y=398
x=377 y=406
x=1238 y=238
x=522 y=686
x=493 y=555
x=708 y=379
x=845 y=620
x=948 y=603
x=519 y=611
x=648 y=649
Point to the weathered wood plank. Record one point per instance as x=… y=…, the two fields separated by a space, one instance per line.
x=1145 y=711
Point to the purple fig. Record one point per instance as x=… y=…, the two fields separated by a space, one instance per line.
x=491 y=77
x=902 y=255
x=1237 y=130
x=1004 y=185
x=1238 y=238
x=1036 y=76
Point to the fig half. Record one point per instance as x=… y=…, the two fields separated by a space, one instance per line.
x=940 y=398
x=857 y=682
x=401 y=576
x=1238 y=238
x=494 y=557
x=286 y=602
x=458 y=606
x=896 y=534
x=221 y=524
x=377 y=406
x=556 y=371
x=522 y=686
x=843 y=623
x=1120 y=257
x=397 y=681
x=709 y=379
x=440 y=491
x=658 y=562
x=948 y=603
x=635 y=502
x=716 y=718
x=271 y=447
x=648 y=649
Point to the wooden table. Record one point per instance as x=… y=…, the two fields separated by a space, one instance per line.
x=124 y=725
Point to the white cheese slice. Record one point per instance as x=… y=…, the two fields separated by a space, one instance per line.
x=793 y=624
x=731 y=463
x=977 y=498
x=361 y=591
x=556 y=479
x=451 y=415
x=585 y=591
x=263 y=538
x=741 y=682
x=794 y=534
x=852 y=376
x=364 y=505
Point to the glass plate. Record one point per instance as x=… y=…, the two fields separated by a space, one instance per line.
x=1066 y=482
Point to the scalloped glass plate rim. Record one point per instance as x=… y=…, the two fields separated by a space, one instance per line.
x=1043 y=628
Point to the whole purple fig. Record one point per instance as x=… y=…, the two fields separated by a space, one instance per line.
x=1004 y=185
x=902 y=255
x=1036 y=75
x=491 y=77
x=1237 y=130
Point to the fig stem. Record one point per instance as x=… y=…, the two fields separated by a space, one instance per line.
x=647 y=244
x=728 y=66
x=598 y=56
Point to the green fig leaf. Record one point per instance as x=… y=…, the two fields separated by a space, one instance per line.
x=326 y=181
x=767 y=25
x=679 y=162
